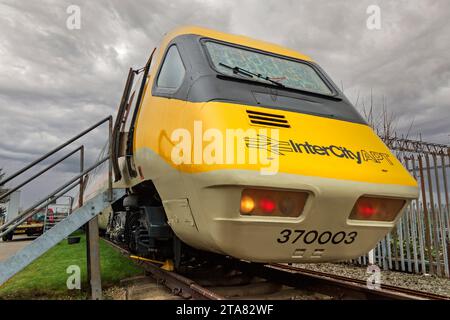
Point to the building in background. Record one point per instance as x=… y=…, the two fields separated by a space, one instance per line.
x=10 y=206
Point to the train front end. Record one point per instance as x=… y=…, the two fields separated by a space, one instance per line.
x=258 y=155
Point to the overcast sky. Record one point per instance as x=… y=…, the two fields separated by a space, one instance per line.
x=55 y=81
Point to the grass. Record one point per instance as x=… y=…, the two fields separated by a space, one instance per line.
x=46 y=277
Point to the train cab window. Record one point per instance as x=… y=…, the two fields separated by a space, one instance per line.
x=172 y=71
x=259 y=66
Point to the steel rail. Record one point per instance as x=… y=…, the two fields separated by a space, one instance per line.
x=178 y=284
x=337 y=286
x=387 y=291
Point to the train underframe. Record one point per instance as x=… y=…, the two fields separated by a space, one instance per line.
x=139 y=222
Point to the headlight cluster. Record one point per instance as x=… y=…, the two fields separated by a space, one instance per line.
x=262 y=202
x=376 y=209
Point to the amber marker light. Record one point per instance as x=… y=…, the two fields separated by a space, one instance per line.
x=247 y=204
x=274 y=203
x=376 y=209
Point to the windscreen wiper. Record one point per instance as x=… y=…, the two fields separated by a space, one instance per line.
x=239 y=70
x=250 y=74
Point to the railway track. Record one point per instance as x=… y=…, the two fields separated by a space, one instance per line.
x=233 y=279
x=385 y=291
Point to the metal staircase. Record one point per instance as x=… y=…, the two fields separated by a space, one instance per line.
x=85 y=213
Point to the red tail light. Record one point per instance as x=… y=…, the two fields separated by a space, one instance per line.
x=376 y=209
x=267 y=205
x=366 y=210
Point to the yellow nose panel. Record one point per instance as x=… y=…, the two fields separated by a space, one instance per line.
x=311 y=145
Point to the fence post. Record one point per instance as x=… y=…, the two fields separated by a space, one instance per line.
x=371 y=257
x=435 y=222
x=425 y=214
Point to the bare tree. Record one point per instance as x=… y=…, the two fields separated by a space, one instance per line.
x=383 y=120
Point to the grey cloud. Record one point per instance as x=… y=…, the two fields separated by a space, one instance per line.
x=55 y=82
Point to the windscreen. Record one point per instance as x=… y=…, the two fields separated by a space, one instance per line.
x=290 y=73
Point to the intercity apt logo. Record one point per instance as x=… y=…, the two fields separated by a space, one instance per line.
x=280 y=148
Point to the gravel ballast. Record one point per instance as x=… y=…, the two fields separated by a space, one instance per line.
x=420 y=282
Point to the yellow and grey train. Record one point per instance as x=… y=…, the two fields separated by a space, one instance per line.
x=322 y=186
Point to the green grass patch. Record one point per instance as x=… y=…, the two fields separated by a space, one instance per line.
x=46 y=277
